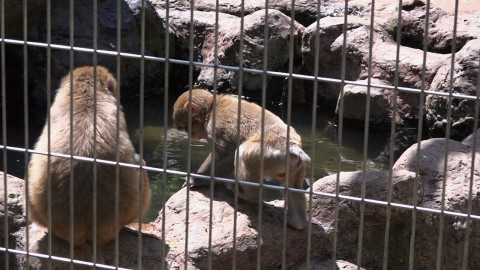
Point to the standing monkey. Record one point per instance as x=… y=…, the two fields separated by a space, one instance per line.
x=83 y=111
x=275 y=143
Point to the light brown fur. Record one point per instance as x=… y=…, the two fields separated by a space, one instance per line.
x=83 y=145
x=274 y=142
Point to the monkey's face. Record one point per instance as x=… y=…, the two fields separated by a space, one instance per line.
x=181 y=123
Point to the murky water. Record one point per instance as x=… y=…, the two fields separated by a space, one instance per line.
x=154 y=142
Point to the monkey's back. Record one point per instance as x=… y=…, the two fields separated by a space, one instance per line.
x=85 y=144
x=251 y=123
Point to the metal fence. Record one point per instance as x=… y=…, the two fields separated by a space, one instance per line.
x=19 y=255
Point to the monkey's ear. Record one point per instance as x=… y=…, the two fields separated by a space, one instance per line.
x=195 y=108
x=111 y=85
x=296 y=151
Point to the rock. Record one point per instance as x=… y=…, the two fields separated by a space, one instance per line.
x=355 y=104
x=305 y=11
x=151 y=248
x=330 y=65
x=376 y=188
x=327 y=264
x=464 y=83
x=244 y=246
x=459 y=186
x=227 y=45
x=15 y=219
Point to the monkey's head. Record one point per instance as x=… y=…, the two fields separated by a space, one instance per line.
x=84 y=79
x=200 y=105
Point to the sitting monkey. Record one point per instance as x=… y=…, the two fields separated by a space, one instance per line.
x=275 y=142
x=59 y=169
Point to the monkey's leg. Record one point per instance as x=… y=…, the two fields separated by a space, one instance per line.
x=248 y=169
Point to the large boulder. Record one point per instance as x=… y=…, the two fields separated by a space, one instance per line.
x=465 y=80
x=212 y=228
x=345 y=213
x=224 y=48
x=451 y=184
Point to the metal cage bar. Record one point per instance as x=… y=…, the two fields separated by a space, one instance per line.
x=241 y=70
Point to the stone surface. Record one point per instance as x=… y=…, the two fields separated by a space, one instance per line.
x=355 y=103
x=465 y=77
x=223 y=244
x=448 y=186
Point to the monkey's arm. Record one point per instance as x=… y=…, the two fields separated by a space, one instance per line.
x=224 y=167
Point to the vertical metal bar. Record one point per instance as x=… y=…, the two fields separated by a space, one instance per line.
x=392 y=140
x=447 y=142
x=365 y=138
x=262 y=137
x=117 y=138
x=287 y=145
x=49 y=157
x=313 y=136
x=4 y=134
x=95 y=40
x=71 y=183
x=419 y=137
x=239 y=107
x=214 y=137
x=165 y=124
x=26 y=125
x=141 y=125
x=340 y=138
x=189 y=148
x=468 y=228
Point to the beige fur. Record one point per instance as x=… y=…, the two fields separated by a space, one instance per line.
x=275 y=145
x=83 y=145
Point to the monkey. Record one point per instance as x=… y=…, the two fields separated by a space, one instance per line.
x=247 y=167
x=86 y=80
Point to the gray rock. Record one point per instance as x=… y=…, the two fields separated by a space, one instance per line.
x=228 y=46
x=453 y=185
x=15 y=219
x=355 y=104
x=348 y=215
x=305 y=11
x=465 y=73
x=222 y=217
